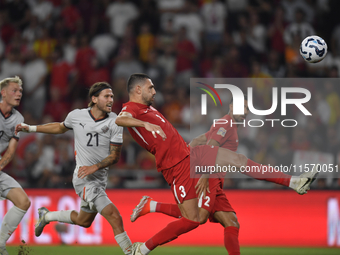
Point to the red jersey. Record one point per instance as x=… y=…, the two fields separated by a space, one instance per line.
x=225 y=134
x=167 y=153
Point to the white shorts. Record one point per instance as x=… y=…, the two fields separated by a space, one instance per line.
x=93 y=196
x=6 y=184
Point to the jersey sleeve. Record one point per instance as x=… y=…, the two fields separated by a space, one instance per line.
x=20 y=120
x=117 y=136
x=219 y=133
x=129 y=109
x=69 y=119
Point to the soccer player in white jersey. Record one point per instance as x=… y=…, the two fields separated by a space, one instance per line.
x=11 y=93
x=98 y=143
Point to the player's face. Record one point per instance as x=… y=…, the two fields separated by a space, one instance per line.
x=148 y=92
x=241 y=118
x=12 y=94
x=104 y=101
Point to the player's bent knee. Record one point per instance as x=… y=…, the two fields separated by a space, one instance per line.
x=85 y=224
x=27 y=204
x=24 y=204
x=203 y=220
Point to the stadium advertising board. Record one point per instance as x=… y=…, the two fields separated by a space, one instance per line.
x=272 y=212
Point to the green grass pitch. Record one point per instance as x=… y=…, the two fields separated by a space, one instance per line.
x=167 y=250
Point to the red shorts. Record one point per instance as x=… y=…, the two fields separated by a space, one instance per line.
x=216 y=200
x=178 y=177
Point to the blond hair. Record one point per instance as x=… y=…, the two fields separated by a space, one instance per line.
x=4 y=83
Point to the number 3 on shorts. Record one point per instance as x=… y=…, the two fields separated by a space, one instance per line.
x=182 y=189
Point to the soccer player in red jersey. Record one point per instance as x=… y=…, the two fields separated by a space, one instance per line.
x=215 y=205
x=171 y=153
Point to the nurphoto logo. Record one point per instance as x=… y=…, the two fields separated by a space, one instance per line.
x=239 y=104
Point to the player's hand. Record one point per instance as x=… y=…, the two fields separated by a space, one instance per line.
x=155 y=129
x=202 y=186
x=84 y=171
x=21 y=127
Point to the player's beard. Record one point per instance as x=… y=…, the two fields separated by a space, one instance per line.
x=147 y=101
x=103 y=108
x=239 y=118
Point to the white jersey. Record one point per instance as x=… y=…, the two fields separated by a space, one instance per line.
x=92 y=139
x=7 y=128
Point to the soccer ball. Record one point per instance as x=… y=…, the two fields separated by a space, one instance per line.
x=313 y=49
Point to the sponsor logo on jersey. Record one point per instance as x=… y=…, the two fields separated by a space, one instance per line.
x=221 y=132
x=105 y=129
x=12 y=129
x=124 y=108
x=83 y=125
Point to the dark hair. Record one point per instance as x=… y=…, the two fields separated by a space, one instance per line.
x=96 y=89
x=245 y=98
x=134 y=79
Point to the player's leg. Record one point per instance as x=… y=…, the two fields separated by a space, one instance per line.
x=14 y=215
x=148 y=205
x=257 y=171
x=224 y=213
x=231 y=231
x=183 y=188
x=112 y=215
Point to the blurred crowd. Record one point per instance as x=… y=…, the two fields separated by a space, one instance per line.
x=61 y=47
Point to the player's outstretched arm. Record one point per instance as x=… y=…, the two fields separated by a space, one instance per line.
x=125 y=119
x=9 y=154
x=50 y=128
x=109 y=160
x=199 y=140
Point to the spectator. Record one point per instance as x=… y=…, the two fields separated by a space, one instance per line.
x=273 y=67
x=299 y=28
x=70 y=16
x=186 y=54
x=97 y=72
x=126 y=65
x=11 y=65
x=192 y=21
x=63 y=75
x=43 y=10
x=214 y=15
x=104 y=44
x=120 y=13
x=153 y=69
x=276 y=31
x=145 y=42
x=34 y=76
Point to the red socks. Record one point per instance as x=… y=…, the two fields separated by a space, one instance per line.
x=231 y=240
x=171 y=232
x=267 y=173
x=169 y=209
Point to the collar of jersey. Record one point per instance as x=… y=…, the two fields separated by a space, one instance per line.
x=7 y=116
x=141 y=106
x=96 y=120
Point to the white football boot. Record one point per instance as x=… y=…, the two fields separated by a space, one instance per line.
x=301 y=184
x=39 y=227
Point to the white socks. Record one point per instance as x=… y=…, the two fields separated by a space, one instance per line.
x=144 y=250
x=61 y=216
x=10 y=223
x=153 y=205
x=124 y=242
x=294 y=182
